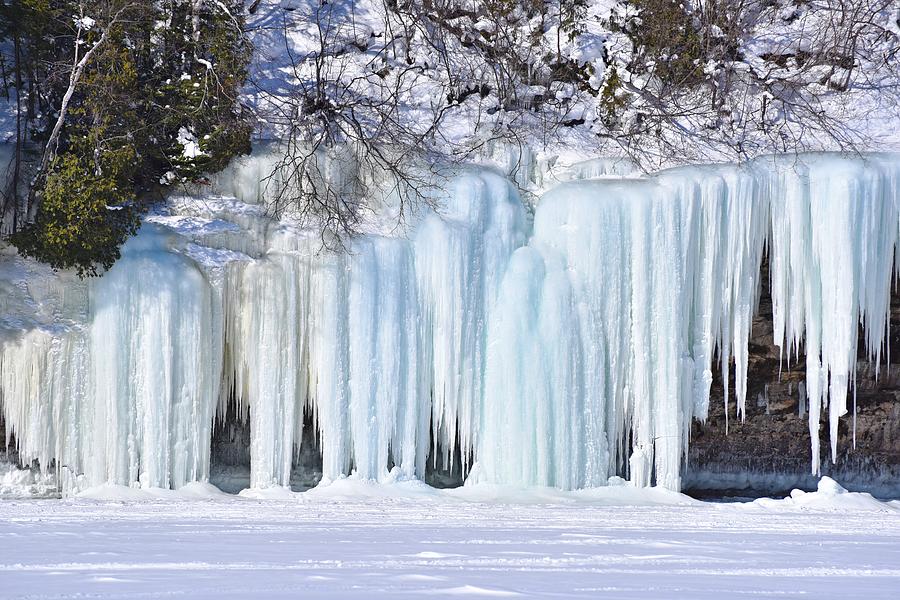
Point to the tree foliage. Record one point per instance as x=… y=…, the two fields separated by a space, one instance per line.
x=369 y=99
x=84 y=215
x=125 y=98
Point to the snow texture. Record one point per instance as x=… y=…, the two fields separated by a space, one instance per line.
x=555 y=355
x=358 y=539
x=362 y=40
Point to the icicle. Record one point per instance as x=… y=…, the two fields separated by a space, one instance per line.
x=267 y=338
x=834 y=234
x=583 y=354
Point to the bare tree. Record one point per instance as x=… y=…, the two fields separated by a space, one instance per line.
x=348 y=139
x=368 y=114
x=376 y=112
x=737 y=78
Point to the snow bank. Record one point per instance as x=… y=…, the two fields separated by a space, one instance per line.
x=617 y=492
x=25 y=483
x=397 y=488
x=110 y=492
x=830 y=496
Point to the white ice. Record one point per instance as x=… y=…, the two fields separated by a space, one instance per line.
x=554 y=353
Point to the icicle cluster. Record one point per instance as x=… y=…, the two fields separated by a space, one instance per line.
x=833 y=254
x=561 y=359
x=616 y=307
x=379 y=343
x=130 y=396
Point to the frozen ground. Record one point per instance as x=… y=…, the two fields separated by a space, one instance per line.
x=404 y=540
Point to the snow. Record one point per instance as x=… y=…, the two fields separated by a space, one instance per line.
x=361 y=37
x=189 y=143
x=85 y=23
x=829 y=495
x=382 y=542
x=554 y=353
x=24 y=483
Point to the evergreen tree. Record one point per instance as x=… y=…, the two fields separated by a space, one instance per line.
x=148 y=101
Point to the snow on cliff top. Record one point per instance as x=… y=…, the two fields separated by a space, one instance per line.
x=283 y=34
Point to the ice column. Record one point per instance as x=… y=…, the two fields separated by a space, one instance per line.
x=378 y=342
x=461 y=253
x=592 y=340
x=155 y=369
x=127 y=395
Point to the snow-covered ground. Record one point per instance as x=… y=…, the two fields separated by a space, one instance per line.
x=359 y=540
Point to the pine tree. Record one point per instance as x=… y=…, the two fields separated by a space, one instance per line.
x=149 y=101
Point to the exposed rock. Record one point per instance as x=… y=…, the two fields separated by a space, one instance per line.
x=769 y=451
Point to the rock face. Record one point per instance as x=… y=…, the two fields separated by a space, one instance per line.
x=769 y=451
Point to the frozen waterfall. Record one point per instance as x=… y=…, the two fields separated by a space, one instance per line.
x=559 y=350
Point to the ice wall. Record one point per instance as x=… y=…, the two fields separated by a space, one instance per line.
x=127 y=394
x=214 y=303
x=580 y=351
x=379 y=343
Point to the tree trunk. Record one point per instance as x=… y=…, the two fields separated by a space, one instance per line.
x=17 y=159
x=78 y=67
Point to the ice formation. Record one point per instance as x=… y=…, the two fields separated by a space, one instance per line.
x=559 y=352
